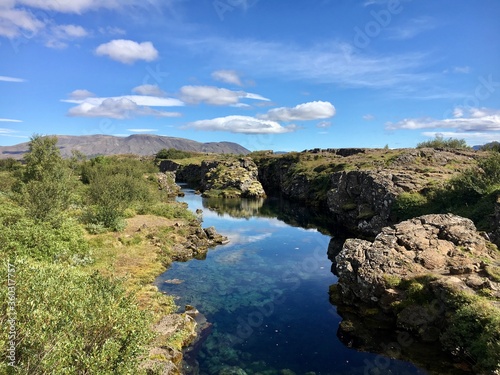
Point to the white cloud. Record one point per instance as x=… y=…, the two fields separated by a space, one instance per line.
x=81 y=95
x=306 y=111
x=227 y=76
x=73 y=6
x=241 y=124
x=149 y=90
x=368 y=117
x=117 y=108
x=215 y=95
x=11 y=79
x=464 y=119
x=9 y=120
x=150 y=101
x=16 y=22
x=59 y=35
x=69 y=31
x=142 y=130
x=127 y=51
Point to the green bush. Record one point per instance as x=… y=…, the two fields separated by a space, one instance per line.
x=474 y=332
x=491 y=146
x=110 y=195
x=172 y=153
x=69 y=322
x=40 y=240
x=408 y=205
x=440 y=142
x=9 y=164
x=44 y=188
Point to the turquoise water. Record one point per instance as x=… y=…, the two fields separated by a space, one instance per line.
x=266 y=294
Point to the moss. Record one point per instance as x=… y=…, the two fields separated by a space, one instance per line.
x=493 y=272
x=365 y=213
x=392 y=281
x=349 y=206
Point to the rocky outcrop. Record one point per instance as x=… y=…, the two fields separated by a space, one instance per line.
x=166 y=183
x=224 y=178
x=230 y=178
x=420 y=272
x=438 y=245
x=362 y=200
x=196 y=244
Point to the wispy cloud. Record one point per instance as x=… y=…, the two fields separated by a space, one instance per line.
x=464 y=119
x=9 y=120
x=60 y=35
x=412 y=28
x=142 y=130
x=120 y=107
x=461 y=69
x=149 y=90
x=4 y=132
x=216 y=95
x=227 y=76
x=328 y=62
x=11 y=79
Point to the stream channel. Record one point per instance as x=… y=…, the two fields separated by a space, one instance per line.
x=266 y=295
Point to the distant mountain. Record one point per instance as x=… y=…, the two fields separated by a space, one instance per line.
x=138 y=144
x=492 y=146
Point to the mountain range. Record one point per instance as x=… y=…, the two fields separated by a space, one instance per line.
x=138 y=144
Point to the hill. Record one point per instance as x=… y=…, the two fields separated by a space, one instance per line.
x=139 y=144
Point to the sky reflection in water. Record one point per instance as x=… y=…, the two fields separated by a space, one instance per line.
x=266 y=293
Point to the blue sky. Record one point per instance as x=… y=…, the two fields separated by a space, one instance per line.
x=267 y=74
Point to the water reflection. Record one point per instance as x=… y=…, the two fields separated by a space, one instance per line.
x=266 y=293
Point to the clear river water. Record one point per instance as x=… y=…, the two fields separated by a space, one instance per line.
x=266 y=295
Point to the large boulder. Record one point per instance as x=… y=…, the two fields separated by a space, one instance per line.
x=231 y=178
x=434 y=277
x=362 y=200
x=439 y=245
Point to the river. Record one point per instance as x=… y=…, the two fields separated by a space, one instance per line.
x=266 y=295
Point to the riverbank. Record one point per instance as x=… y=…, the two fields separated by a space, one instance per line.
x=144 y=249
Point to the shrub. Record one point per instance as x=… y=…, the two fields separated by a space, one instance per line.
x=69 y=322
x=408 y=205
x=172 y=153
x=440 y=142
x=492 y=146
x=474 y=332
x=44 y=189
x=9 y=164
x=110 y=195
x=24 y=236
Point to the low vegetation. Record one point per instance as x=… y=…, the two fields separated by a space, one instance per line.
x=85 y=303
x=441 y=142
x=471 y=194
